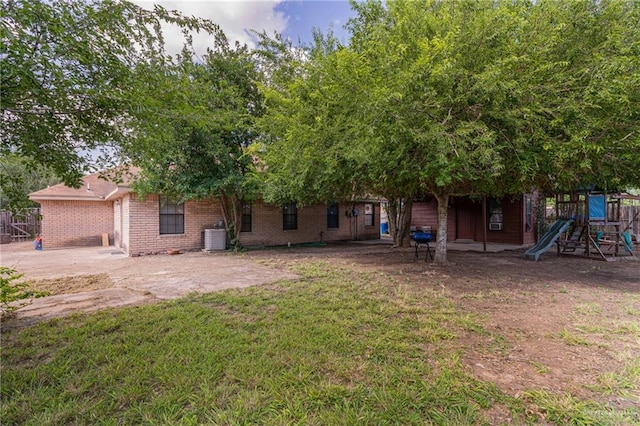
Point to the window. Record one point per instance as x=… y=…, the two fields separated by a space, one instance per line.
x=245 y=226
x=171 y=216
x=332 y=216
x=495 y=214
x=368 y=214
x=290 y=216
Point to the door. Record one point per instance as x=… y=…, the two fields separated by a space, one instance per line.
x=465 y=220
x=464 y=223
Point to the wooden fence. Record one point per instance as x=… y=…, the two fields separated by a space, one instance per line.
x=23 y=226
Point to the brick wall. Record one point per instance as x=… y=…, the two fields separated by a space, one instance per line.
x=75 y=223
x=425 y=213
x=124 y=224
x=133 y=224
x=117 y=223
x=140 y=232
x=143 y=225
x=267 y=225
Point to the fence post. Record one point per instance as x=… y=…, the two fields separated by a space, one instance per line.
x=20 y=227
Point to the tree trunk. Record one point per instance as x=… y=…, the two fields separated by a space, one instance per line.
x=441 y=237
x=232 y=214
x=399 y=214
x=392 y=214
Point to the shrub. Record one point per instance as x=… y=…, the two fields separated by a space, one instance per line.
x=14 y=291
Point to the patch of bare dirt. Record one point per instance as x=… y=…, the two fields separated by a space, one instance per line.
x=563 y=324
x=72 y=284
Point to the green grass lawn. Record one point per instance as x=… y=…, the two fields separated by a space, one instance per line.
x=338 y=346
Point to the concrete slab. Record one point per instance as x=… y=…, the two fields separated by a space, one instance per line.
x=457 y=245
x=152 y=278
x=135 y=280
x=469 y=245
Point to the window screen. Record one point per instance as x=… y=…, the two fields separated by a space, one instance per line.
x=368 y=214
x=246 y=217
x=171 y=216
x=290 y=216
x=333 y=220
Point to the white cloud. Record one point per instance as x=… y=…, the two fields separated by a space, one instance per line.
x=235 y=17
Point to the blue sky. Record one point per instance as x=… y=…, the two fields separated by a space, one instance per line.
x=291 y=18
x=303 y=15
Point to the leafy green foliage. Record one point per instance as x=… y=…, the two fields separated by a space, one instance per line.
x=309 y=159
x=14 y=289
x=68 y=70
x=461 y=98
x=201 y=147
x=583 y=92
x=18 y=178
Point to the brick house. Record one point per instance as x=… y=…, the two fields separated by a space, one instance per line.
x=507 y=220
x=155 y=224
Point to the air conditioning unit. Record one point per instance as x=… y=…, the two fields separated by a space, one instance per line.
x=215 y=239
x=495 y=226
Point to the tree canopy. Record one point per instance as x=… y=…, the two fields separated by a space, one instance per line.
x=68 y=68
x=25 y=178
x=461 y=98
x=200 y=147
x=585 y=93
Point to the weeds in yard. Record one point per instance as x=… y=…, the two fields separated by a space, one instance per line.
x=334 y=348
x=631 y=306
x=469 y=322
x=15 y=291
x=572 y=339
x=540 y=368
x=591 y=329
x=564 y=409
x=631 y=328
x=588 y=309
x=624 y=383
x=496 y=295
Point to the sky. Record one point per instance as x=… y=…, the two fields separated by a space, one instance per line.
x=302 y=16
x=294 y=19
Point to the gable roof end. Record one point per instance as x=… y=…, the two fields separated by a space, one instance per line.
x=93 y=188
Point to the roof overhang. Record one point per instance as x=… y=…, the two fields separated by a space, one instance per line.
x=119 y=192
x=64 y=198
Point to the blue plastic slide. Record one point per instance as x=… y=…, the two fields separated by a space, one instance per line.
x=628 y=245
x=548 y=239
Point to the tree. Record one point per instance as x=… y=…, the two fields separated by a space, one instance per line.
x=585 y=95
x=305 y=132
x=463 y=98
x=18 y=178
x=68 y=69
x=368 y=109
x=200 y=148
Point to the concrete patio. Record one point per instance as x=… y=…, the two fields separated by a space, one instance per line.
x=457 y=245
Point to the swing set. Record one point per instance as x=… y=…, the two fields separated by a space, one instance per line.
x=594 y=225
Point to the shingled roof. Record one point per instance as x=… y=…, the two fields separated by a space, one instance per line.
x=95 y=187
